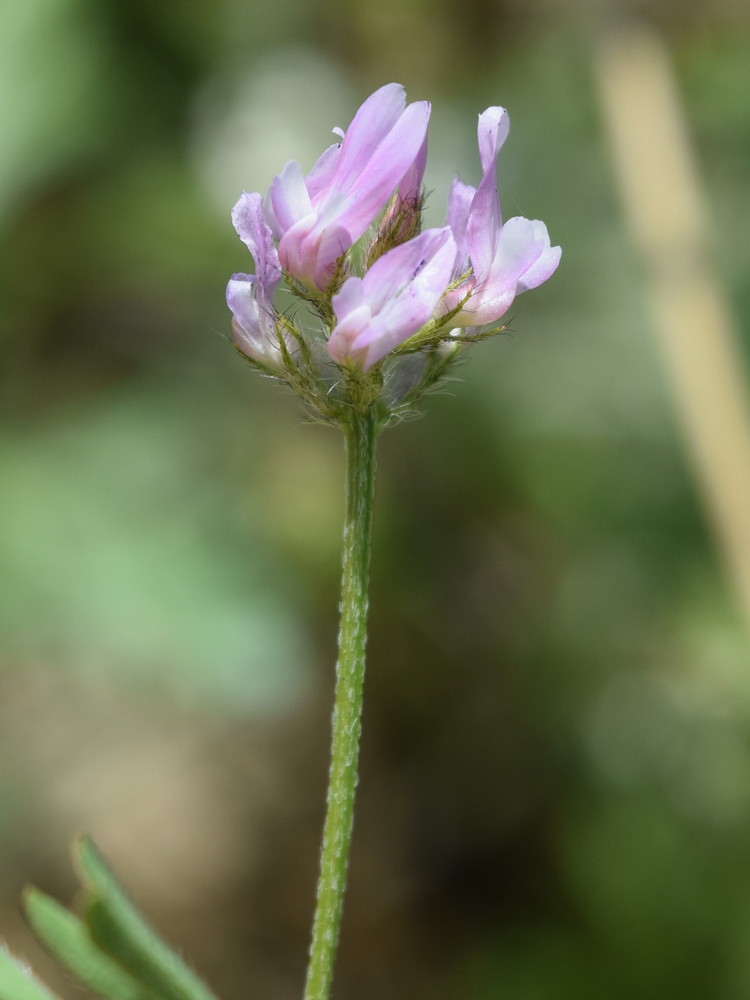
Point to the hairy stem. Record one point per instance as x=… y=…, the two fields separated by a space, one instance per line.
x=347 y=713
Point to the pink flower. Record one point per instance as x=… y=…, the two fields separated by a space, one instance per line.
x=319 y=217
x=466 y=274
x=505 y=259
x=395 y=299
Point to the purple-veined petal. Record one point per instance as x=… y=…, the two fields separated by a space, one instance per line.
x=249 y=221
x=460 y=198
x=289 y=197
x=546 y=264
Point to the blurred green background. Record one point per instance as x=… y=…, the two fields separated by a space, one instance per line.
x=555 y=793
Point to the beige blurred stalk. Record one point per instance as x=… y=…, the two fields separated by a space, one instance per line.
x=665 y=212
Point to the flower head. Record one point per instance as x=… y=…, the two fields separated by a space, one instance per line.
x=347 y=238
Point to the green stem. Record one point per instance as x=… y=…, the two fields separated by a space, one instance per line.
x=347 y=713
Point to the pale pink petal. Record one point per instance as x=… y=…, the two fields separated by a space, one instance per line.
x=408 y=312
x=345 y=333
x=322 y=173
x=333 y=241
x=372 y=188
x=298 y=252
x=485 y=219
x=391 y=328
x=418 y=261
x=270 y=216
x=546 y=264
x=289 y=197
x=484 y=225
x=350 y=297
x=410 y=187
x=371 y=124
x=460 y=198
x=492 y=131
x=519 y=247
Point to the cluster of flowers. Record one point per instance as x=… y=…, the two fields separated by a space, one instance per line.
x=386 y=289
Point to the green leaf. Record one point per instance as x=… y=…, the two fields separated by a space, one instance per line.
x=69 y=940
x=120 y=930
x=17 y=982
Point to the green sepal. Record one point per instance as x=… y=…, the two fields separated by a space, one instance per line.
x=119 y=930
x=17 y=981
x=68 y=938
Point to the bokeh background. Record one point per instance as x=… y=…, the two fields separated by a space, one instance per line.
x=555 y=793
